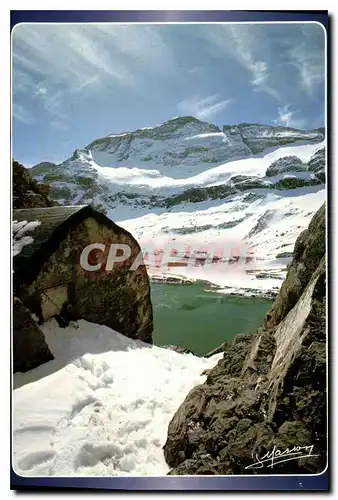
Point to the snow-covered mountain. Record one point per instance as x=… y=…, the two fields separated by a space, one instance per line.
x=190 y=180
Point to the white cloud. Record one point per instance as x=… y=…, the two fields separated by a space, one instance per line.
x=21 y=114
x=195 y=69
x=310 y=67
x=203 y=108
x=59 y=124
x=244 y=44
x=54 y=63
x=260 y=76
x=22 y=80
x=286 y=117
x=87 y=83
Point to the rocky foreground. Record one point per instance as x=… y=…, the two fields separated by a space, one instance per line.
x=268 y=393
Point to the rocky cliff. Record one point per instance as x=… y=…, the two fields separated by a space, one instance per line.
x=27 y=192
x=105 y=173
x=268 y=392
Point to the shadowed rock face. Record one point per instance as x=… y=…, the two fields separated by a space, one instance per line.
x=269 y=389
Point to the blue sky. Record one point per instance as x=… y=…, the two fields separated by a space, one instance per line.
x=74 y=83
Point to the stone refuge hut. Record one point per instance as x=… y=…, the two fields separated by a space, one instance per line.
x=49 y=281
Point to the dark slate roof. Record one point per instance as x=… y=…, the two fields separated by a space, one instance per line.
x=55 y=225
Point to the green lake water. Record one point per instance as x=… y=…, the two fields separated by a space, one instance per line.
x=200 y=320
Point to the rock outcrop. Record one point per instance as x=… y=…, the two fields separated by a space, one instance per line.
x=317 y=164
x=308 y=251
x=286 y=164
x=268 y=392
x=29 y=345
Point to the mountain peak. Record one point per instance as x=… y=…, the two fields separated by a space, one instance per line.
x=183 y=120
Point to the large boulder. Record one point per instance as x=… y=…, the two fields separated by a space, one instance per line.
x=286 y=164
x=268 y=392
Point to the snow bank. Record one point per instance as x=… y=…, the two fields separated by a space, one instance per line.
x=102 y=407
x=20 y=236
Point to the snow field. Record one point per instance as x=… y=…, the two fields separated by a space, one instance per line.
x=102 y=407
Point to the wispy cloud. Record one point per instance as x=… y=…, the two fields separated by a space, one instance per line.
x=288 y=117
x=203 y=108
x=65 y=71
x=195 y=69
x=51 y=63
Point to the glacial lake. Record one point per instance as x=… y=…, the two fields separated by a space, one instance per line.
x=190 y=316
